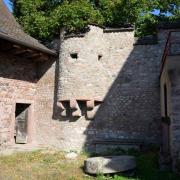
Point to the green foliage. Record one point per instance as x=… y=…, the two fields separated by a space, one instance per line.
x=147 y=169
x=146 y=25
x=120 y=12
x=52 y=164
x=44 y=18
x=32 y=16
x=167 y=6
x=75 y=15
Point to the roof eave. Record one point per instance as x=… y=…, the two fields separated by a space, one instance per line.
x=15 y=41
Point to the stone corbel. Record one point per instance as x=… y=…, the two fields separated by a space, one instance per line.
x=76 y=111
x=92 y=107
x=91 y=113
x=63 y=109
x=90 y=104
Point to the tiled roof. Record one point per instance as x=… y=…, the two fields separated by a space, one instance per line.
x=10 y=30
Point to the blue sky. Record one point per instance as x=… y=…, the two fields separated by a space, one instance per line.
x=7 y=2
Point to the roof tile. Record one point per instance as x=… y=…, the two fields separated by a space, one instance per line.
x=12 y=31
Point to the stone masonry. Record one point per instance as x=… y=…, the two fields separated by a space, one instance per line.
x=103 y=66
x=103 y=86
x=17 y=85
x=169 y=82
x=102 y=73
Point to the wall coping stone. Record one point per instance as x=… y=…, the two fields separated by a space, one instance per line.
x=74 y=36
x=105 y=30
x=112 y=30
x=169 y=25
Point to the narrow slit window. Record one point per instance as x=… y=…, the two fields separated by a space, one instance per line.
x=74 y=55
x=99 y=57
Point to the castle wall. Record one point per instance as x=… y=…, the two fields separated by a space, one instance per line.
x=107 y=68
x=171 y=129
x=48 y=130
x=51 y=128
x=175 y=123
x=169 y=84
x=16 y=86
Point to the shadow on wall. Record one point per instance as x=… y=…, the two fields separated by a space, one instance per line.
x=20 y=68
x=17 y=68
x=131 y=107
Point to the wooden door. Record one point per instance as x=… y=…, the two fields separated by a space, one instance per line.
x=21 y=123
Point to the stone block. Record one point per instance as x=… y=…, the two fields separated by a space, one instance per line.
x=91 y=113
x=108 y=165
x=76 y=111
x=90 y=105
x=62 y=109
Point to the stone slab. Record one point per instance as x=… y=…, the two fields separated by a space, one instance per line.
x=110 y=164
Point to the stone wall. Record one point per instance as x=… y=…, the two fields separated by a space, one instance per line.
x=169 y=83
x=175 y=123
x=121 y=78
x=17 y=78
x=107 y=67
x=172 y=79
x=51 y=128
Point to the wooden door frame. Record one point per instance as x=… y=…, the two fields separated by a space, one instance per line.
x=30 y=121
x=166 y=125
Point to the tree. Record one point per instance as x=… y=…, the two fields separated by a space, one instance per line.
x=32 y=17
x=75 y=15
x=43 y=18
x=120 y=12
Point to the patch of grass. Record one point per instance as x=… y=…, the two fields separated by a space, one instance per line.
x=40 y=165
x=115 y=177
x=52 y=165
x=147 y=168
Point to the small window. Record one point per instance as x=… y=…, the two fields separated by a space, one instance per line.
x=99 y=57
x=74 y=55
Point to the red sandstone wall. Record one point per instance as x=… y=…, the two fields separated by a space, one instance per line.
x=16 y=86
x=47 y=129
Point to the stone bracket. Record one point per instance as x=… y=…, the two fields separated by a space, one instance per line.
x=90 y=104
x=91 y=113
x=63 y=109
x=72 y=105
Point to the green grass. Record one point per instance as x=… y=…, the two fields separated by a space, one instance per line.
x=52 y=165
